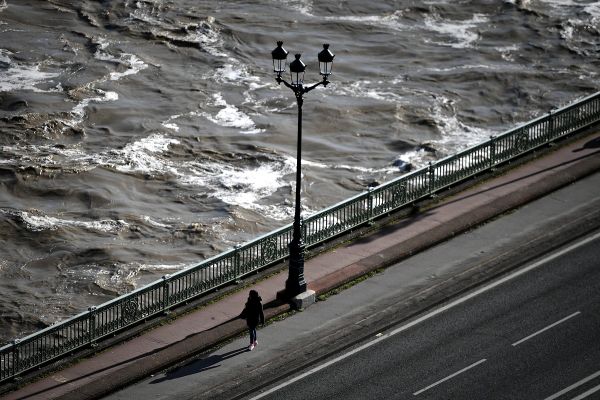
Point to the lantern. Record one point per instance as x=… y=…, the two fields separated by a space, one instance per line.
x=279 y=59
x=325 y=61
x=297 y=68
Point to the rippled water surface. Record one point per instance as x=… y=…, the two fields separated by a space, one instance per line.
x=139 y=137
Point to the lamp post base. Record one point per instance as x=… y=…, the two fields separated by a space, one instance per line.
x=299 y=301
x=295 y=283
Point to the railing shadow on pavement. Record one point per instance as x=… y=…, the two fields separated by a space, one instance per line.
x=413 y=217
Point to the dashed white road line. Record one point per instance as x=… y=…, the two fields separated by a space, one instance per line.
x=449 y=377
x=546 y=328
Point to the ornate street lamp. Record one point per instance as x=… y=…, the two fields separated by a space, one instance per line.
x=295 y=283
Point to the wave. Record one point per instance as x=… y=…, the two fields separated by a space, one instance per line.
x=463 y=33
x=242 y=185
x=142 y=156
x=230 y=116
x=369 y=89
x=390 y=21
x=36 y=221
x=302 y=6
x=204 y=35
x=20 y=76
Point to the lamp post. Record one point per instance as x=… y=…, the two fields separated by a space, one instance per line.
x=295 y=284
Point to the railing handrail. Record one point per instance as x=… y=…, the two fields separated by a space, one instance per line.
x=126 y=310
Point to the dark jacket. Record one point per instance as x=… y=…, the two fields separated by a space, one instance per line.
x=253 y=312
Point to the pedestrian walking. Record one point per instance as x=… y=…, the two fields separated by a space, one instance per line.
x=253 y=314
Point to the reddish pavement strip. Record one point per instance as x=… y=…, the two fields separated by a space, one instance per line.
x=168 y=344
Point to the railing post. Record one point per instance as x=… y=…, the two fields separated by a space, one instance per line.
x=492 y=152
x=166 y=293
x=92 y=325
x=431 y=175
x=550 y=127
x=16 y=357
x=237 y=262
x=370 y=206
x=303 y=230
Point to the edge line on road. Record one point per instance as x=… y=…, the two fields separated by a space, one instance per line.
x=586 y=394
x=546 y=328
x=449 y=377
x=431 y=314
x=573 y=386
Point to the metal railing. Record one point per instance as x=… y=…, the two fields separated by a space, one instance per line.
x=90 y=326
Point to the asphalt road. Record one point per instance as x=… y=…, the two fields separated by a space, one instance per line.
x=529 y=337
x=355 y=316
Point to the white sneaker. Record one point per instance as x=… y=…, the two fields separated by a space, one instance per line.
x=251 y=347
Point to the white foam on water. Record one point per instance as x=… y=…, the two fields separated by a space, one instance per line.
x=209 y=37
x=353 y=168
x=48 y=156
x=131 y=62
x=243 y=186
x=566 y=8
x=171 y=126
x=78 y=112
x=460 y=68
x=369 y=89
x=593 y=9
x=234 y=72
x=463 y=32
x=124 y=277
x=143 y=156
x=21 y=76
x=418 y=158
x=5 y=56
x=303 y=6
x=507 y=52
x=206 y=34
x=39 y=222
x=231 y=116
x=164 y=267
x=456 y=135
x=567 y=32
x=391 y=21
x=152 y=222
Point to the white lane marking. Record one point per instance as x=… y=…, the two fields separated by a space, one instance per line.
x=428 y=315
x=586 y=394
x=546 y=328
x=449 y=377
x=573 y=386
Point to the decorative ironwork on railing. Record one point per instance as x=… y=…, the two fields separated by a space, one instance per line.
x=122 y=312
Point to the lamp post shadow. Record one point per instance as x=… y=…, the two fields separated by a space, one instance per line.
x=592 y=144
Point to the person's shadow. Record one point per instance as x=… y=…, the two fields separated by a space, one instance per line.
x=197 y=366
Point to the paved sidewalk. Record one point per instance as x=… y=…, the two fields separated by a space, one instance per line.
x=170 y=343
